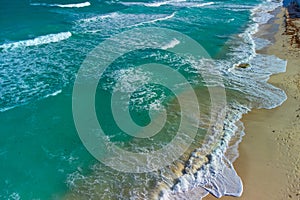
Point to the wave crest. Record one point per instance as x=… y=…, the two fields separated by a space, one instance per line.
x=45 y=39
x=77 y=5
x=177 y=3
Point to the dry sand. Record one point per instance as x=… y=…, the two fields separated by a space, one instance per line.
x=269 y=161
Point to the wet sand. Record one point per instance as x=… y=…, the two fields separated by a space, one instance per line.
x=269 y=161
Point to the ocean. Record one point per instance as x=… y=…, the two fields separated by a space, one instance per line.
x=53 y=89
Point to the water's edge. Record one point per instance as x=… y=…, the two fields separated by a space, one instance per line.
x=218 y=176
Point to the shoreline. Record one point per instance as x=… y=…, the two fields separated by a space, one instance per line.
x=262 y=173
x=269 y=164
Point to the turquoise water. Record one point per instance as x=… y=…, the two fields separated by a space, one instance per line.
x=42 y=46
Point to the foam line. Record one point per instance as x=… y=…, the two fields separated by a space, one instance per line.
x=77 y=5
x=45 y=39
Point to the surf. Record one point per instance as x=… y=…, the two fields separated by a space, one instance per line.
x=77 y=5
x=40 y=40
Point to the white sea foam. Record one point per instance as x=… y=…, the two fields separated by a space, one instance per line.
x=156 y=4
x=129 y=82
x=129 y=79
x=112 y=23
x=203 y=4
x=246 y=51
x=261 y=43
x=77 y=5
x=38 y=40
x=178 y=3
x=153 y=4
x=218 y=164
x=233 y=7
x=218 y=175
x=261 y=14
x=172 y=44
x=154 y=20
x=163 y=18
x=54 y=93
x=35 y=72
x=14 y=196
x=7 y=108
x=99 y=17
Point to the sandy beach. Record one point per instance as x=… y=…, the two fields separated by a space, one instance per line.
x=269 y=161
